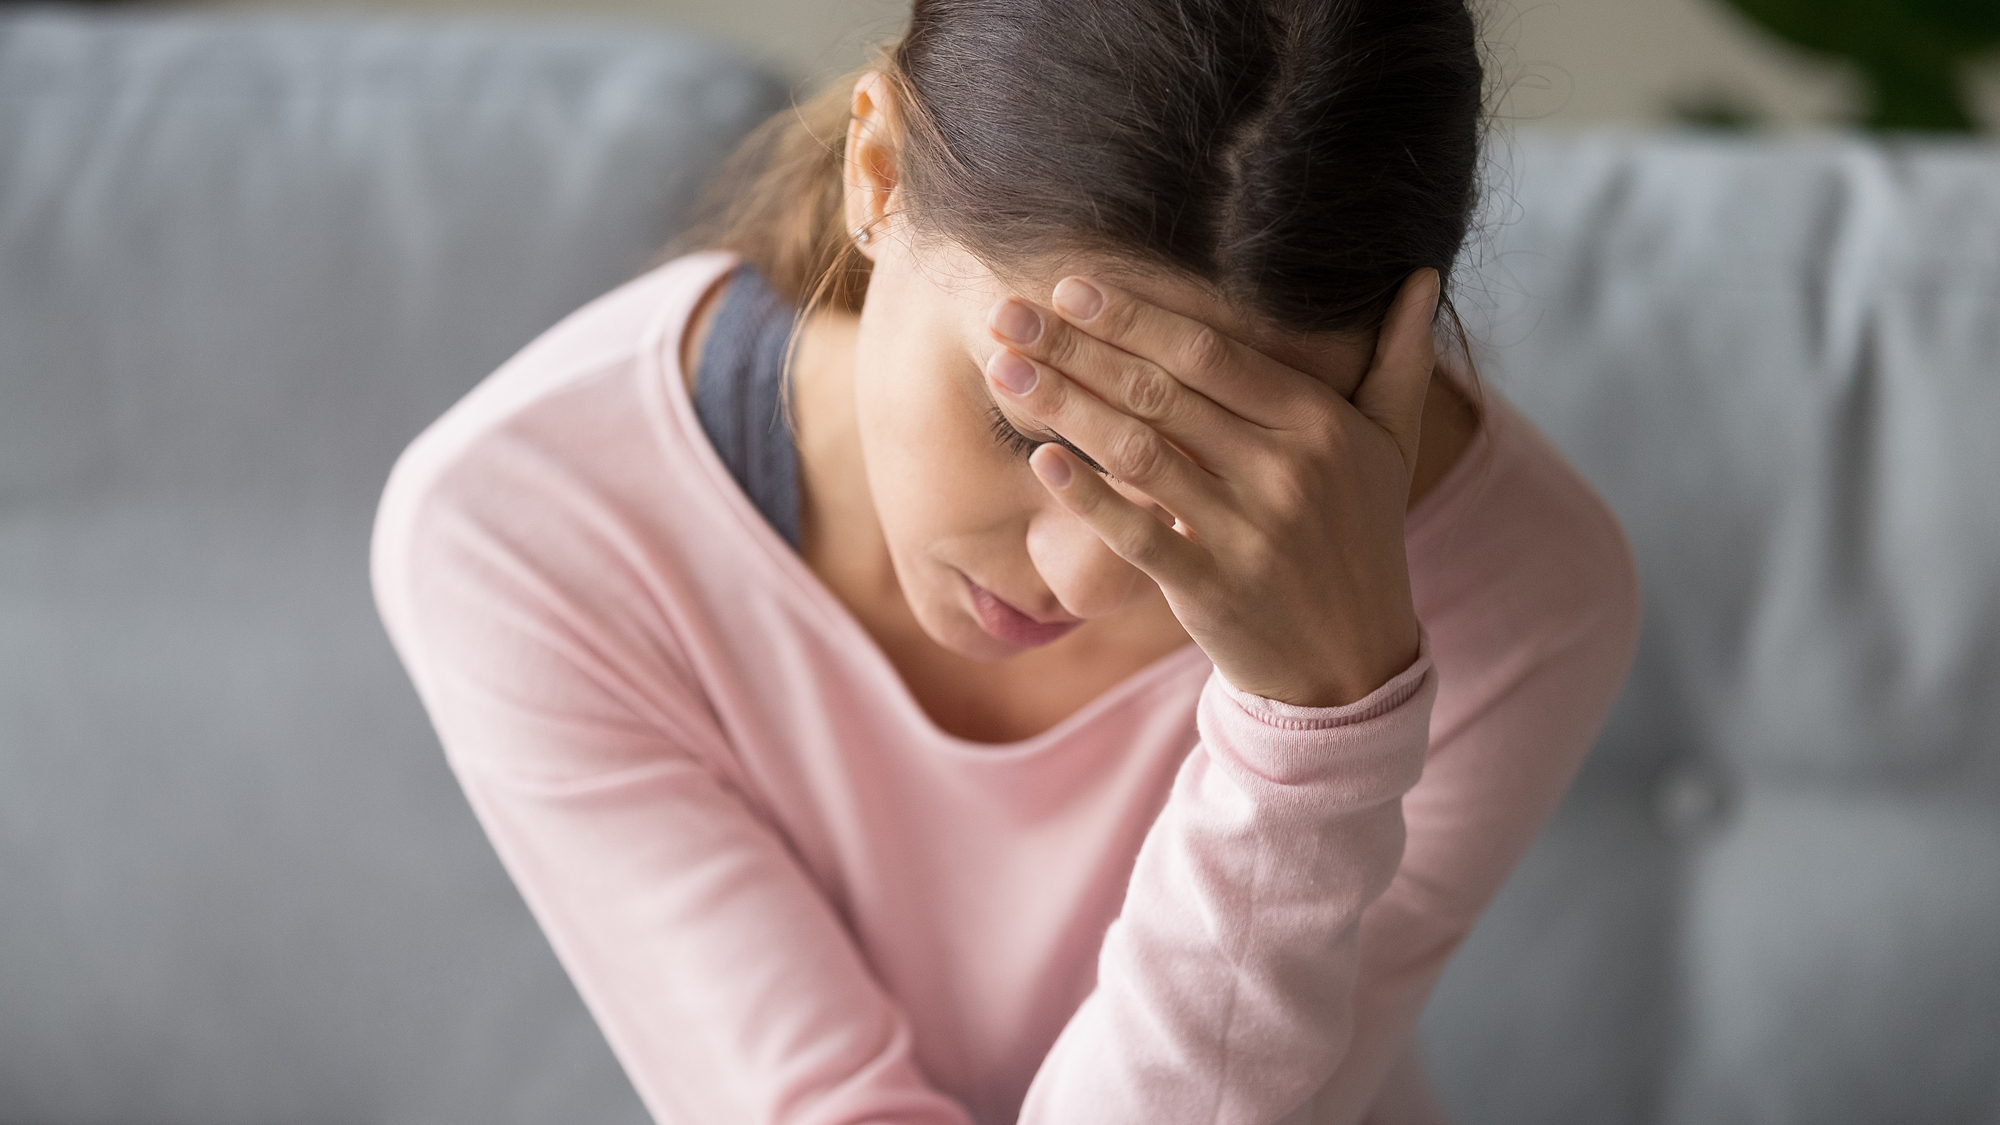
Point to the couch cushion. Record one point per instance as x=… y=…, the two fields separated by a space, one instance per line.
x=242 y=262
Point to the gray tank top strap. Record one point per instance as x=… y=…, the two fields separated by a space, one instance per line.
x=739 y=397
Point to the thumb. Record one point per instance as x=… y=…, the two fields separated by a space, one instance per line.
x=1391 y=394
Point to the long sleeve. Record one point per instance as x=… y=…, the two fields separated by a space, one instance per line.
x=1487 y=790
x=723 y=981
x=1226 y=988
x=1531 y=604
x=1533 y=600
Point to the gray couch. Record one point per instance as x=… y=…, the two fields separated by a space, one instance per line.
x=244 y=260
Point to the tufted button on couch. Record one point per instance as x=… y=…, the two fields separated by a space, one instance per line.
x=244 y=259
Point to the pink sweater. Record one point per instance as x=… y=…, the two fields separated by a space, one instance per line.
x=788 y=897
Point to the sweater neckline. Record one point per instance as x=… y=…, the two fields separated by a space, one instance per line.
x=663 y=384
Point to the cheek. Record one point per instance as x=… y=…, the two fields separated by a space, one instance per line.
x=903 y=415
x=933 y=467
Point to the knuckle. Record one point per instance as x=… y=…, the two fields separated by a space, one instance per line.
x=1260 y=556
x=1144 y=551
x=1117 y=318
x=1050 y=396
x=1057 y=345
x=1078 y=347
x=1323 y=430
x=1203 y=351
x=1137 y=455
x=1144 y=545
x=1292 y=500
x=1287 y=489
x=1147 y=394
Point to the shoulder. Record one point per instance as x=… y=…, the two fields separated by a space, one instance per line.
x=1518 y=550
x=538 y=488
x=597 y=354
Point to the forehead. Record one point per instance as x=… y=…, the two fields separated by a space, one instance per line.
x=978 y=285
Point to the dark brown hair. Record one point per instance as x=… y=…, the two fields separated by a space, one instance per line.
x=1302 y=157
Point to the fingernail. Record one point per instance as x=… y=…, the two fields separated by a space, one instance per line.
x=1016 y=321
x=1078 y=298
x=1054 y=468
x=1012 y=372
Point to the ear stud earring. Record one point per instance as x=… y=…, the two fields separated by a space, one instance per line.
x=861 y=234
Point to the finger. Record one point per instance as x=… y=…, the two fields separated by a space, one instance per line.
x=1239 y=378
x=1392 y=393
x=1128 y=382
x=1133 y=533
x=1053 y=406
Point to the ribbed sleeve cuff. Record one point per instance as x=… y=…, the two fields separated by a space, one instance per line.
x=1289 y=716
x=1379 y=740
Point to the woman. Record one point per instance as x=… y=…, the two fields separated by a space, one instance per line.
x=1111 y=684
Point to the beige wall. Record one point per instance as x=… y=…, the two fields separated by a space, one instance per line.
x=1564 y=62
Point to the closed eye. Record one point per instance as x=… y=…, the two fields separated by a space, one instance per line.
x=1020 y=444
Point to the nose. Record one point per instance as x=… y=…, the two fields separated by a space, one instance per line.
x=1084 y=574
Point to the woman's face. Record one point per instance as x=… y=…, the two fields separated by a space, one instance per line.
x=989 y=562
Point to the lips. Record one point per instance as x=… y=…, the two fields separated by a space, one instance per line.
x=1004 y=622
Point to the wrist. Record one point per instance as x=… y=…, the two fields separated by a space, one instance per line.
x=1390 y=697
x=1356 y=673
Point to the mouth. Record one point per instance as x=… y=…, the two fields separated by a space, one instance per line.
x=1003 y=622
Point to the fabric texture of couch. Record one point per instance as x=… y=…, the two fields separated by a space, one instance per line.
x=1774 y=893
x=244 y=259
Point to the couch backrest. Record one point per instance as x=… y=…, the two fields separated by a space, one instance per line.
x=242 y=262
x=1774 y=895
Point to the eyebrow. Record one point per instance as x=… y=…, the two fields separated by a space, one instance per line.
x=1052 y=436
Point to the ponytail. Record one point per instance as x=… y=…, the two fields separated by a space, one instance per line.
x=779 y=205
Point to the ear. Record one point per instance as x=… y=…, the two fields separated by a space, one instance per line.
x=869 y=172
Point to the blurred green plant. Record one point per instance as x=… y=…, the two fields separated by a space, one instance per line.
x=1910 y=51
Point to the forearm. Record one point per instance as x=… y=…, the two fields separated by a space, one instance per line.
x=1226 y=987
